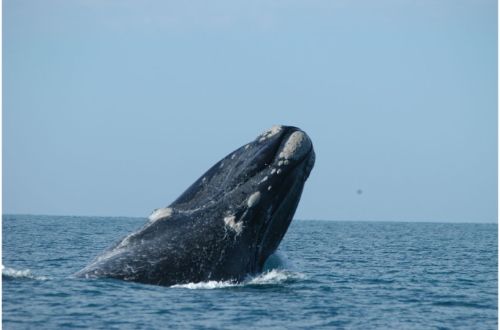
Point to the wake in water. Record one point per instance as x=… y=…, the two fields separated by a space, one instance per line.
x=274 y=274
x=277 y=270
x=272 y=277
x=14 y=274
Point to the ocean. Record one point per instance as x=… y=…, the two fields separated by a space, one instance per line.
x=326 y=274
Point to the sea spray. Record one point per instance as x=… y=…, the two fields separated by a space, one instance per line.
x=11 y=273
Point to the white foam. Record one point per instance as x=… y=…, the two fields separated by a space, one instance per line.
x=160 y=213
x=296 y=146
x=21 y=274
x=264 y=179
x=206 y=285
x=272 y=277
x=253 y=199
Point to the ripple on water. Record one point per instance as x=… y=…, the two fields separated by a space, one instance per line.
x=328 y=274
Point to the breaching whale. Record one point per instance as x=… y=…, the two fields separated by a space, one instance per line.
x=225 y=225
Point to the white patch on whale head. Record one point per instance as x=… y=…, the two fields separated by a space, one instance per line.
x=160 y=213
x=114 y=252
x=296 y=146
x=270 y=132
x=230 y=222
x=253 y=199
x=125 y=241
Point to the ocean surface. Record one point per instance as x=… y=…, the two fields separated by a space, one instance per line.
x=326 y=274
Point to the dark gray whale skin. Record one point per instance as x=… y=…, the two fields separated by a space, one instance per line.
x=225 y=225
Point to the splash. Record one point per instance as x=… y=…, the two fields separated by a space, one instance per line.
x=207 y=285
x=276 y=276
x=11 y=274
x=271 y=277
x=277 y=270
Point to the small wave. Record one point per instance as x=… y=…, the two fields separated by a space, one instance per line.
x=207 y=285
x=11 y=273
x=275 y=276
x=272 y=277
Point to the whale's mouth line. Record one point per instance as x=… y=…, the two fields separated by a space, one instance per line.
x=292 y=164
x=265 y=230
x=274 y=211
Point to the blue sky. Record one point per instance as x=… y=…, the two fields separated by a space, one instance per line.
x=115 y=107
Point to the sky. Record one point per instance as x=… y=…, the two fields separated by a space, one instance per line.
x=115 y=107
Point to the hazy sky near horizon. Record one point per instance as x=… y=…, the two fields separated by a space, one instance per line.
x=115 y=107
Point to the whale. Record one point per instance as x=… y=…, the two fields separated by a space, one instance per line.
x=225 y=225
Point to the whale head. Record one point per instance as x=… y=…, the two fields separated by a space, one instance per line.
x=253 y=193
x=226 y=224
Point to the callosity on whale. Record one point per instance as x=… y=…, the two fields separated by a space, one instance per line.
x=225 y=225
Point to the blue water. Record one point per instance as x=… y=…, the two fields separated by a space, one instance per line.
x=356 y=275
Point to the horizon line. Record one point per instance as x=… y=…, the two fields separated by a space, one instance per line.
x=294 y=219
